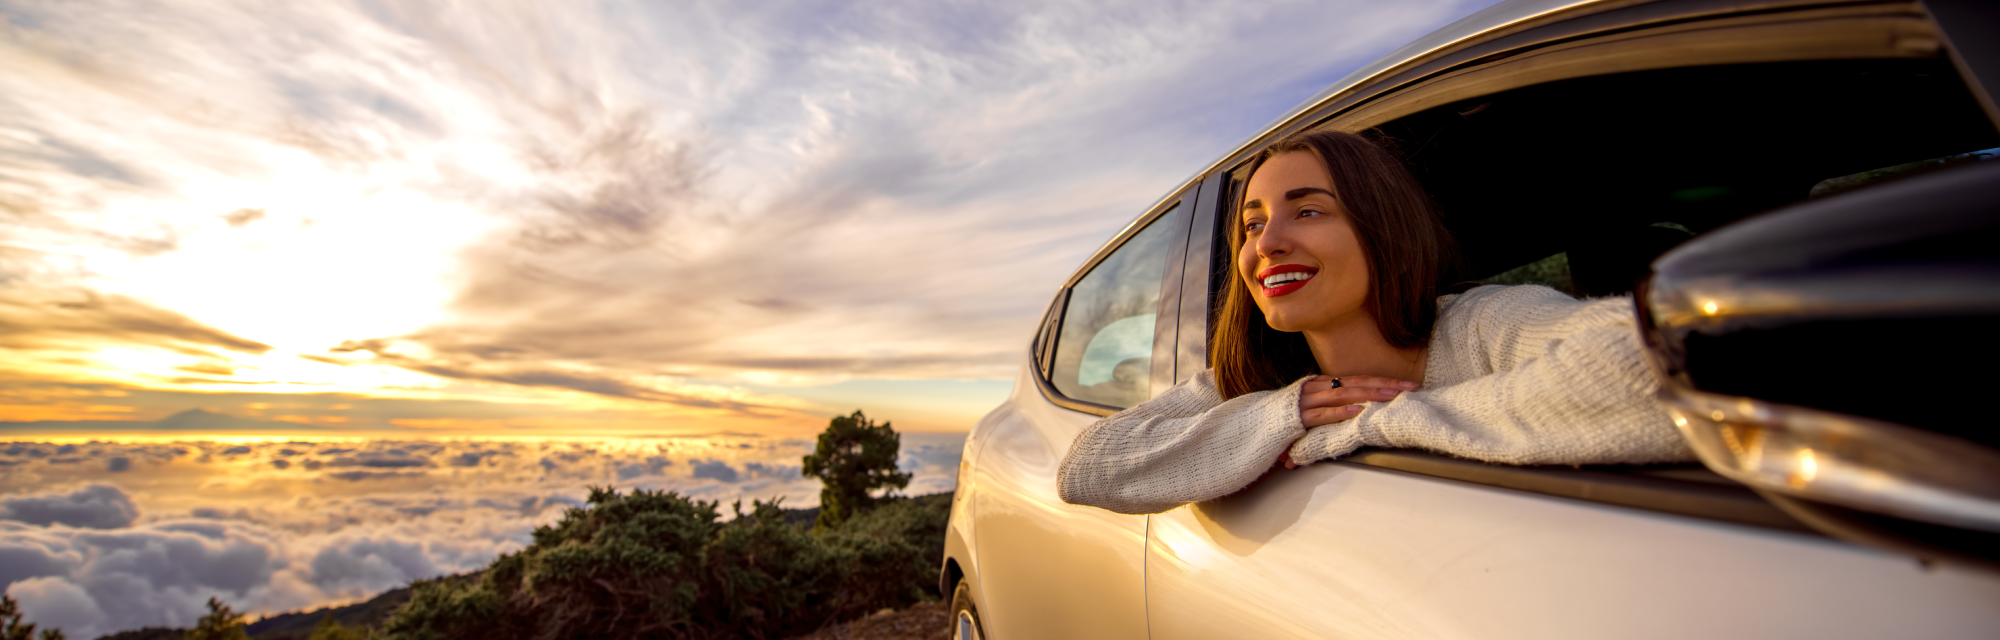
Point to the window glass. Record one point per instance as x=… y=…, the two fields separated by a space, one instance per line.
x=1104 y=352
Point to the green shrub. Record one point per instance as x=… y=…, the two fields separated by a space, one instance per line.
x=769 y=578
x=630 y=565
x=896 y=550
x=331 y=629
x=656 y=564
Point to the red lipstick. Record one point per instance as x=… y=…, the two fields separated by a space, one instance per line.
x=1288 y=287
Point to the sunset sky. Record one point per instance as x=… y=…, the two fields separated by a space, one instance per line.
x=471 y=218
x=302 y=301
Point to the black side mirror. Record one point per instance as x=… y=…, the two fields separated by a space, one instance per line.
x=1839 y=354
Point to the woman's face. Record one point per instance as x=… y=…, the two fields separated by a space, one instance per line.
x=1300 y=256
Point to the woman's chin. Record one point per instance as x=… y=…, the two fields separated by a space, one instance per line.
x=1284 y=324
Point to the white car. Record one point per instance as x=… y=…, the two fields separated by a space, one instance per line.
x=1823 y=339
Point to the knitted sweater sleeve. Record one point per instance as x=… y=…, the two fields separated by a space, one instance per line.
x=1187 y=445
x=1523 y=375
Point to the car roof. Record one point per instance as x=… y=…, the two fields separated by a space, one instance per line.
x=1490 y=19
x=1493 y=18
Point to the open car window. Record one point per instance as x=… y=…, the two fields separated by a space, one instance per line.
x=1580 y=181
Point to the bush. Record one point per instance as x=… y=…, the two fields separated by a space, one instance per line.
x=627 y=566
x=896 y=550
x=331 y=629
x=770 y=578
x=656 y=564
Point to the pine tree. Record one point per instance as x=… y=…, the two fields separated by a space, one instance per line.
x=14 y=629
x=855 y=456
x=221 y=623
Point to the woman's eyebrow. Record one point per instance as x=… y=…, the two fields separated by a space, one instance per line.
x=1306 y=191
x=1291 y=195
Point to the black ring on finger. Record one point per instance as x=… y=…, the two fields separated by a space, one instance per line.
x=1333 y=383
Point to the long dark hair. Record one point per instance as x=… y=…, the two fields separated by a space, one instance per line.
x=1409 y=252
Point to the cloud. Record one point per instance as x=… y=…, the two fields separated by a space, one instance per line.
x=357 y=476
x=474 y=458
x=652 y=465
x=776 y=471
x=792 y=193
x=24 y=559
x=939 y=456
x=71 y=319
x=372 y=565
x=241 y=217
x=153 y=575
x=56 y=603
x=95 y=506
x=714 y=469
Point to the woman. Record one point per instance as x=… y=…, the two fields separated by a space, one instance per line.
x=1329 y=326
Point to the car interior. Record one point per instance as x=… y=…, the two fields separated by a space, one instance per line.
x=1558 y=168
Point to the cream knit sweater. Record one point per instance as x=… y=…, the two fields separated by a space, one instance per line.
x=1515 y=375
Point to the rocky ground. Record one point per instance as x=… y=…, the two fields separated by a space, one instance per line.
x=922 y=621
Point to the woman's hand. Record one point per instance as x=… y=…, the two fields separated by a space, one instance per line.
x=1323 y=403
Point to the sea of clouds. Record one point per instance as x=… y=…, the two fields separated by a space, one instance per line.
x=99 y=537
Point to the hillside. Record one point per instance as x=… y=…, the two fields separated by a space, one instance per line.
x=875 y=622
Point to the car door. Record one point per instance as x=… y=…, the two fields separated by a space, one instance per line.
x=1047 y=569
x=1393 y=544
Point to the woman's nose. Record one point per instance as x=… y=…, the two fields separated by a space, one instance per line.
x=1274 y=241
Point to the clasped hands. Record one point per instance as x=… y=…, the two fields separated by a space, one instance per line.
x=1322 y=402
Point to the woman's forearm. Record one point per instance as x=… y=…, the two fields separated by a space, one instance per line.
x=1185 y=446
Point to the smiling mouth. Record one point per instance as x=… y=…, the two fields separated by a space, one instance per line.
x=1288 y=278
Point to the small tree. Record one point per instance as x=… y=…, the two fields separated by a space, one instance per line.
x=855 y=456
x=221 y=623
x=11 y=627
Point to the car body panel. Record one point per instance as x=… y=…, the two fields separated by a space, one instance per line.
x=1054 y=569
x=1337 y=550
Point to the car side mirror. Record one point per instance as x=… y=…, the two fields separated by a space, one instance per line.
x=1840 y=352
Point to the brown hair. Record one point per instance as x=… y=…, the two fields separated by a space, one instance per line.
x=1408 y=250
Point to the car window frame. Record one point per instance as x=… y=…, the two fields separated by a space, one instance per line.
x=1167 y=319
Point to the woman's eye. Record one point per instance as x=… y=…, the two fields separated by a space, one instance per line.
x=1252 y=226
x=1310 y=212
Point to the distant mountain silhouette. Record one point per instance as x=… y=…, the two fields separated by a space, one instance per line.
x=189 y=421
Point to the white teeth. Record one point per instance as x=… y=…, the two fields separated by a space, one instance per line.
x=1285 y=277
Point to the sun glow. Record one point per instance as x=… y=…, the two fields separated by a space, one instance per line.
x=324 y=257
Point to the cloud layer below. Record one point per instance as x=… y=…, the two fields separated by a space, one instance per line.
x=94 y=545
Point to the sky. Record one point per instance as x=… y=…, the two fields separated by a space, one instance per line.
x=302 y=301
x=463 y=218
